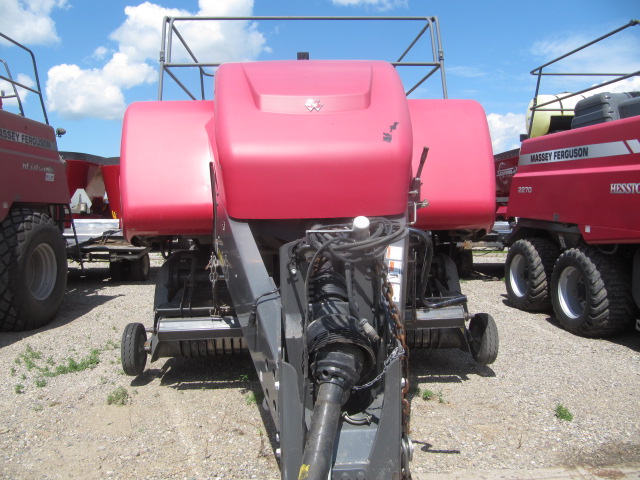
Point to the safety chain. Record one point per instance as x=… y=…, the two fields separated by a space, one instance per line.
x=387 y=290
x=396 y=353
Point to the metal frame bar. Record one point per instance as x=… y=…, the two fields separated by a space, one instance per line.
x=539 y=73
x=169 y=29
x=14 y=83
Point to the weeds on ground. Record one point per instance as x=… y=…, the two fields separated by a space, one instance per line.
x=119 y=397
x=34 y=364
x=563 y=413
x=250 y=398
x=428 y=395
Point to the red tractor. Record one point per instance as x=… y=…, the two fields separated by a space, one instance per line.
x=323 y=216
x=573 y=189
x=33 y=198
x=39 y=229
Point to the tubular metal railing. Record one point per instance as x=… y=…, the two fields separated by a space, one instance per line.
x=170 y=29
x=539 y=73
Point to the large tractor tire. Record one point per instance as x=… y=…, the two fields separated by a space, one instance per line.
x=528 y=271
x=591 y=293
x=33 y=270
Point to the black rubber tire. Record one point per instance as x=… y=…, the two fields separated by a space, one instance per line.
x=483 y=338
x=33 y=270
x=139 y=269
x=591 y=293
x=464 y=262
x=527 y=273
x=132 y=352
x=116 y=271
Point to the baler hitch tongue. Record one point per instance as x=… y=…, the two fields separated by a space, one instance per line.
x=336 y=372
x=350 y=337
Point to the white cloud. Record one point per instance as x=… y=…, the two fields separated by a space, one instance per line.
x=74 y=92
x=466 y=72
x=505 y=130
x=29 y=21
x=100 y=53
x=379 y=4
x=616 y=54
x=7 y=88
x=627 y=85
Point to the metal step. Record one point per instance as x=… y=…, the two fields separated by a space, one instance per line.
x=197 y=328
x=446 y=317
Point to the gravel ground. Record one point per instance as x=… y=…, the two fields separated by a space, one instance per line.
x=186 y=419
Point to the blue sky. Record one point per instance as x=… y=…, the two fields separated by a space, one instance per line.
x=95 y=57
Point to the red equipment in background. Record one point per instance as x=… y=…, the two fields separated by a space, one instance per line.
x=39 y=229
x=575 y=195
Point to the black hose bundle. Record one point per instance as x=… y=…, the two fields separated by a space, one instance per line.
x=340 y=244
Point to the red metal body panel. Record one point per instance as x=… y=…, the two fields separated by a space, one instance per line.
x=111 y=177
x=589 y=176
x=32 y=171
x=164 y=169
x=312 y=139
x=304 y=139
x=506 y=165
x=458 y=176
x=80 y=174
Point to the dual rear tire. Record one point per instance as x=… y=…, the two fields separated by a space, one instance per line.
x=589 y=291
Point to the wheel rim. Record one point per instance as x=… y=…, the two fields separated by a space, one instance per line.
x=519 y=275
x=42 y=270
x=571 y=292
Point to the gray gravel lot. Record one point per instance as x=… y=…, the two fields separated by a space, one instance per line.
x=186 y=419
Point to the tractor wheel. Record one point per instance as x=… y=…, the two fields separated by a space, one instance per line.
x=591 y=293
x=33 y=270
x=484 y=343
x=140 y=268
x=132 y=351
x=528 y=271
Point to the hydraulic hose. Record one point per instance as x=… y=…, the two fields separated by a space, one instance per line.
x=318 y=452
x=424 y=278
x=426 y=264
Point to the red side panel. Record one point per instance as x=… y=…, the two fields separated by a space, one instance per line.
x=32 y=171
x=589 y=177
x=80 y=174
x=458 y=176
x=111 y=176
x=312 y=139
x=506 y=165
x=164 y=167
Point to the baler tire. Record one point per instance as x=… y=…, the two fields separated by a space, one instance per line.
x=116 y=271
x=483 y=338
x=140 y=268
x=132 y=349
x=527 y=273
x=591 y=293
x=464 y=262
x=33 y=270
